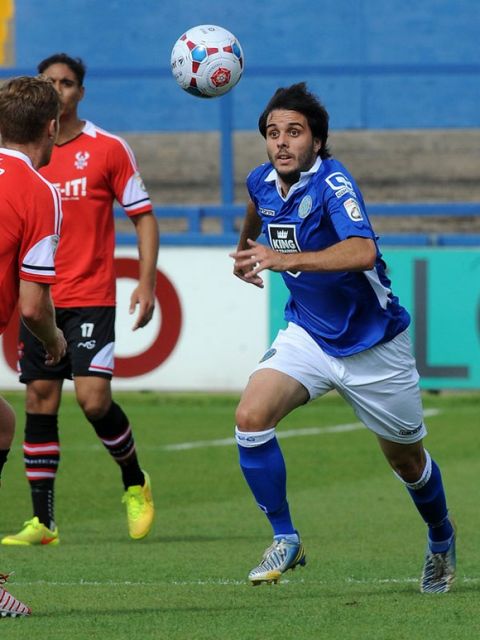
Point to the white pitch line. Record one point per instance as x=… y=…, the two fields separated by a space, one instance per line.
x=228 y=442
x=464 y=580
x=290 y=433
x=220 y=582
x=126 y=583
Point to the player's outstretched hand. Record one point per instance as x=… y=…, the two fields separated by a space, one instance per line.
x=146 y=300
x=245 y=273
x=258 y=257
x=56 y=350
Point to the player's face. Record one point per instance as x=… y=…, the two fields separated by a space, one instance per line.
x=66 y=83
x=291 y=147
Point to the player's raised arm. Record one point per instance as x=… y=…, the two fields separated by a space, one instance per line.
x=352 y=254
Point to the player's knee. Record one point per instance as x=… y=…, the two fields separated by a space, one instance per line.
x=43 y=396
x=250 y=418
x=94 y=408
x=410 y=469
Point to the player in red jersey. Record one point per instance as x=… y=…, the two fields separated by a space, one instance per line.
x=91 y=168
x=30 y=217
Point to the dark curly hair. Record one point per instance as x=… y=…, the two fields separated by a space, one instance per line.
x=75 y=64
x=298 y=98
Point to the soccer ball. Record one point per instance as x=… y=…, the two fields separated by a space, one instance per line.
x=207 y=61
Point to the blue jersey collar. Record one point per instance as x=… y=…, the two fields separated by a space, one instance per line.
x=304 y=178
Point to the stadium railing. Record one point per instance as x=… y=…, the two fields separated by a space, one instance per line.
x=227 y=220
x=228 y=214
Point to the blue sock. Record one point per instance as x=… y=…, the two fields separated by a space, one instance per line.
x=429 y=497
x=264 y=469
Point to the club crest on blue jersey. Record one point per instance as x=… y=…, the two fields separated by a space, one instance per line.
x=305 y=206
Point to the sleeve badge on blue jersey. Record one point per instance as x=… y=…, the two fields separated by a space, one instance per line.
x=340 y=184
x=353 y=209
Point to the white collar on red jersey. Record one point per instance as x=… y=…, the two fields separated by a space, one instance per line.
x=89 y=129
x=16 y=154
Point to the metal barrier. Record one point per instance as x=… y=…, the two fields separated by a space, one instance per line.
x=228 y=219
x=228 y=214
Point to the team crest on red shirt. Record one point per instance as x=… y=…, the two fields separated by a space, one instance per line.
x=81 y=159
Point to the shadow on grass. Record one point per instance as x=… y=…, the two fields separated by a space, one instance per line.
x=98 y=539
x=141 y=611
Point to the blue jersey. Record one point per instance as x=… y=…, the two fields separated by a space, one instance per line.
x=344 y=312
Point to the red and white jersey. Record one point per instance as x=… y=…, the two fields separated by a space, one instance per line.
x=91 y=172
x=30 y=219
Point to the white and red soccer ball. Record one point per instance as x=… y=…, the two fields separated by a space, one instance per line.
x=207 y=61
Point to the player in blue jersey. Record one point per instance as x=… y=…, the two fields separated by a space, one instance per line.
x=346 y=330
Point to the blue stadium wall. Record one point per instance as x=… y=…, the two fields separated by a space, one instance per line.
x=378 y=64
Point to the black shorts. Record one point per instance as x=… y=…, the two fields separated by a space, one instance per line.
x=90 y=336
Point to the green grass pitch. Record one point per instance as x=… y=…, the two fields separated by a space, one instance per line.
x=187 y=580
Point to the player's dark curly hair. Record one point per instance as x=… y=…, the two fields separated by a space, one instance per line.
x=75 y=64
x=298 y=98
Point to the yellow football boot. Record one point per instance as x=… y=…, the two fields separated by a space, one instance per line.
x=33 y=532
x=140 y=509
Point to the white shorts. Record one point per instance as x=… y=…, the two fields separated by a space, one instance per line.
x=381 y=383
